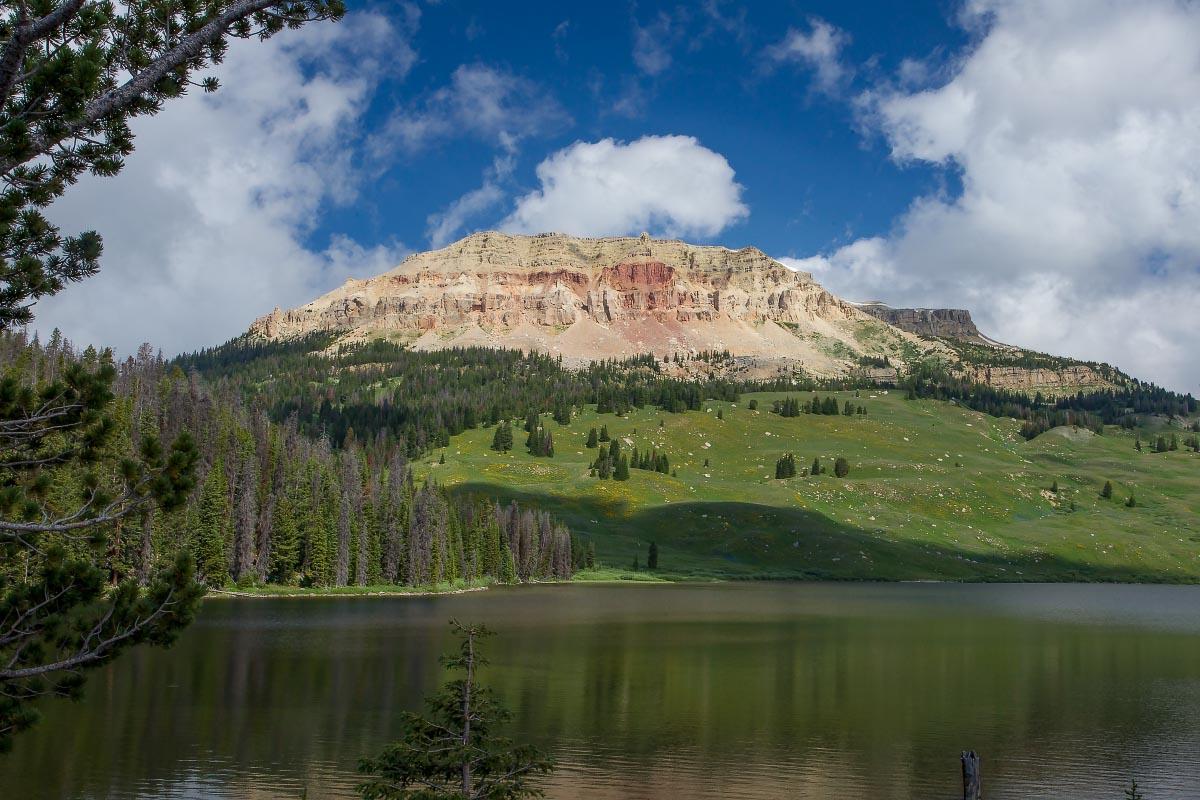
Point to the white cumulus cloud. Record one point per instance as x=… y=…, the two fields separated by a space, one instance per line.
x=206 y=227
x=666 y=185
x=1073 y=127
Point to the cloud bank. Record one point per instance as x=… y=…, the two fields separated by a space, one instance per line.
x=205 y=229
x=1073 y=127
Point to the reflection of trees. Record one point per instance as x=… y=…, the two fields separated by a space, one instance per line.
x=651 y=686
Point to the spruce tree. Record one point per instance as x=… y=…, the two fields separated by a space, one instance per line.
x=593 y=439
x=1107 y=491
x=652 y=556
x=604 y=433
x=841 y=467
x=455 y=753
x=212 y=530
x=622 y=471
x=816 y=467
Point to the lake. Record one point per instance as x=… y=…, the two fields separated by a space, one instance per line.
x=751 y=690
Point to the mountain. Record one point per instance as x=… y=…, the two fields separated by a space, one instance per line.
x=593 y=299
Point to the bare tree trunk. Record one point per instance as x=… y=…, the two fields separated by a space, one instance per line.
x=466 y=739
x=970 y=771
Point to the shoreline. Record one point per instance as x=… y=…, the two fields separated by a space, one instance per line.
x=228 y=593
x=677 y=581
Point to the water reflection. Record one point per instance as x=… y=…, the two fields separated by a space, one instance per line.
x=747 y=690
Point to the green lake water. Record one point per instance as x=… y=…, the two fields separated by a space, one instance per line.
x=683 y=691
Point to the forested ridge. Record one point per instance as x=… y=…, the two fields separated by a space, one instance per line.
x=273 y=505
x=1119 y=406
x=418 y=399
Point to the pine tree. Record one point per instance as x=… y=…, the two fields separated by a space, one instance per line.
x=1107 y=491
x=604 y=433
x=455 y=753
x=622 y=471
x=816 y=467
x=1131 y=502
x=502 y=440
x=592 y=439
x=1054 y=487
x=841 y=467
x=1137 y=444
x=652 y=557
x=245 y=521
x=212 y=528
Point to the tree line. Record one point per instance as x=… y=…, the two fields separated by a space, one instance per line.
x=272 y=505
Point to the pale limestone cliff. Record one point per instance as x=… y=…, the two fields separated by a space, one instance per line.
x=597 y=298
x=1027 y=379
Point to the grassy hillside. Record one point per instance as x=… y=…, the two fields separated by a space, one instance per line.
x=935 y=492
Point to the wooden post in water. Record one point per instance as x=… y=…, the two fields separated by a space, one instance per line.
x=970 y=767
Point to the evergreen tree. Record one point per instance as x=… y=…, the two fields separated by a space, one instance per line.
x=212 y=528
x=502 y=439
x=652 y=556
x=1131 y=502
x=245 y=521
x=592 y=439
x=604 y=433
x=753 y=405
x=1107 y=491
x=621 y=473
x=841 y=467
x=816 y=467
x=1054 y=487
x=1174 y=445
x=1137 y=444
x=455 y=753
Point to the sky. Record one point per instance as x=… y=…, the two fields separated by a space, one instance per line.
x=1034 y=161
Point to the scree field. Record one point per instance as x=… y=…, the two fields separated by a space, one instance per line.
x=935 y=492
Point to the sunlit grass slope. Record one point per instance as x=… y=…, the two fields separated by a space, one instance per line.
x=935 y=491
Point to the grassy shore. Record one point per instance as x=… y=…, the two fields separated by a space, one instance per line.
x=935 y=491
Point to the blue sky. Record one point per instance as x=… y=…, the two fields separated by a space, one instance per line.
x=812 y=180
x=1035 y=161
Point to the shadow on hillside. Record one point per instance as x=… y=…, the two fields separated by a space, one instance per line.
x=748 y=540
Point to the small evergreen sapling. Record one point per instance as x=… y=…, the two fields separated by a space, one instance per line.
x=454 y=752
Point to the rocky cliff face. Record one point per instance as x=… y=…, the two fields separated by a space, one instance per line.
x=592 y=298
x=589 y=299
x=1027 y=379
x=955 y=323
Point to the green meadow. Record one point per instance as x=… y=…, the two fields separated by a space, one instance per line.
x=935 y=492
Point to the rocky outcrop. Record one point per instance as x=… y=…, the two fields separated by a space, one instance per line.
x=1033 y=379
x=954 y=323
x=591 y=298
